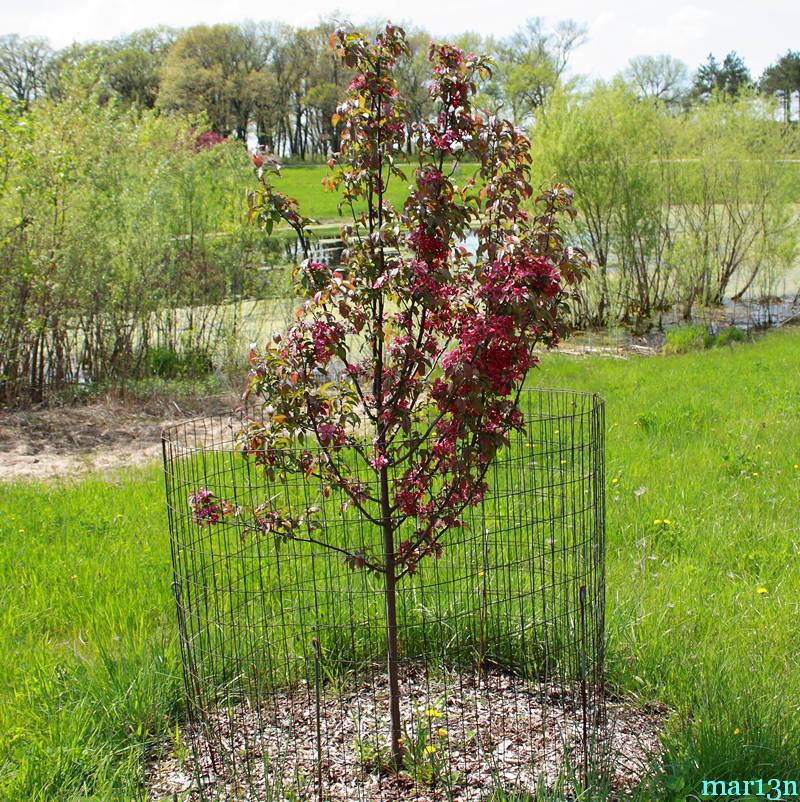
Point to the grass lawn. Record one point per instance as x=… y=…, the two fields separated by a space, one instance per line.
x=703 y=610
x=304 y=182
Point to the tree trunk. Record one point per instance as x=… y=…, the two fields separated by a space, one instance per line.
x=391 y=624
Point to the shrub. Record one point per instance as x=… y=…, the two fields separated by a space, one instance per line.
x=687 y=338
x=730 y=335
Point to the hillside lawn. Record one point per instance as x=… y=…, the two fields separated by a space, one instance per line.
x=703 y=611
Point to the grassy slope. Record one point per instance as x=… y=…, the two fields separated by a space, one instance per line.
x=88 y=664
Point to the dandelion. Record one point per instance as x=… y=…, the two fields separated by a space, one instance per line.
x=736 y=731
x=442 y=732
x=483 y=573
x=401 y=740
x=667 y=521
x=657 y=522
x=433 y=713
x=556 y=431
x=563 y=462
x=20 y=530
x=796 y=467
x=614 y=480
x=119 y=515
x=757 y=445
x=756 y=473
x=762 y=591
x=430 y=749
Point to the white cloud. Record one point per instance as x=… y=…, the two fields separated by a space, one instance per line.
x=687 y=24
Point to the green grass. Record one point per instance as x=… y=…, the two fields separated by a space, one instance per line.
x=89 y=671
x=304 y=182
x=695 y=338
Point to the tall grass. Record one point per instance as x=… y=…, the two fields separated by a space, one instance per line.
x=703 y=610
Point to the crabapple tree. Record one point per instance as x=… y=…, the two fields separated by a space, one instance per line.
x=406 y=362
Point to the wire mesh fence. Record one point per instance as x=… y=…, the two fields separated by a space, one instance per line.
x=284 y=643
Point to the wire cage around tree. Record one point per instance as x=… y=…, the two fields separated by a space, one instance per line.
x=284 y=644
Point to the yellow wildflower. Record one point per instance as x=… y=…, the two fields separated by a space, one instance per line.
x=761 y=590
x=657 y=522
x=736 y=731
x=430 y=749
x=614 y=481
x=667 y=521
x=433 y=713
x=442 y=732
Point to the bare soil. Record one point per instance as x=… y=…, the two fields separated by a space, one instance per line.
x=66 y=441
x=58 y=442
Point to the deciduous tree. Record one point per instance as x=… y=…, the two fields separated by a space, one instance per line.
x=432 y=342
x=23 y=67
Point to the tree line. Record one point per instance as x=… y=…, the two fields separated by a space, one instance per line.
x=284 y=83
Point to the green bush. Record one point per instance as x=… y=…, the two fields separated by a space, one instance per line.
x=687 y=338
x=163 y=362
x=730 y=335
x=166 y=363
x=195 y=361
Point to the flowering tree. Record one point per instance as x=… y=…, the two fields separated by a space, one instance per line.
x=430 y=341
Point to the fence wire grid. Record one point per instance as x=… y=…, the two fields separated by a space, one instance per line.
x=284 y=646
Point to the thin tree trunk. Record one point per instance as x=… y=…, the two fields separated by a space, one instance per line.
x=391 y=623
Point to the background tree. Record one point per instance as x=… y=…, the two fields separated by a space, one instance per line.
x=413 y=75
x=135 y=63
x=783 y=79
x=24 y=64
x=611 y=148
x=220 y=72
x=530 y=64
x=663 y=78
x=727 y=79
x=79 y=65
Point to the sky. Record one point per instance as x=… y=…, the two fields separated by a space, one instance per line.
x=618 y=29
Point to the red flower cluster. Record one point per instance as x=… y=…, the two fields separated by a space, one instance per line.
x=206 y=508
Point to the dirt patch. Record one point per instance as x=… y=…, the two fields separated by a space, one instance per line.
x=466 y=736
x=106 y=435
x=55 y=442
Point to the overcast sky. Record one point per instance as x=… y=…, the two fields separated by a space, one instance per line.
x=618 y=29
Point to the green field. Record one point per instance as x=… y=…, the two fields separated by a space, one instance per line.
x=703 y=610
x=304 y=182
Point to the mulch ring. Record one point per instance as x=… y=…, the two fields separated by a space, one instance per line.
x=465 y=737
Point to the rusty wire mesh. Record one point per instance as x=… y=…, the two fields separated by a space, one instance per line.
x=501 y=638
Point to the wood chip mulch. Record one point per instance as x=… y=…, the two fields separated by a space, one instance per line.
x=482 y=732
